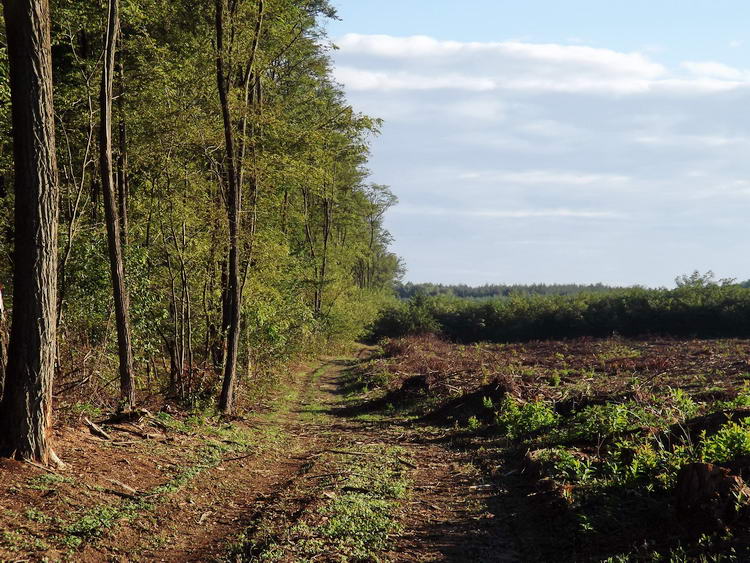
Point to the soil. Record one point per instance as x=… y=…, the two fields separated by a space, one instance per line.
x=449 y=514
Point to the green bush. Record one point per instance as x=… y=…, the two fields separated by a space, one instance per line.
x=518 y=420
x=730 y=442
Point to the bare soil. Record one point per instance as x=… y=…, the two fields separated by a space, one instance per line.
x=201 y=492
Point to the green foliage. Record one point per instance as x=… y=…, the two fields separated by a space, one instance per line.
x=316 y=265
x=730 y=442
x=693 y=309
x=569 y=467
x=360 y=524
x=518 y=420
x=93 y=523
x=418 y=316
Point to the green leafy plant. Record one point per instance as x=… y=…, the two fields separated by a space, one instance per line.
x=518 y=420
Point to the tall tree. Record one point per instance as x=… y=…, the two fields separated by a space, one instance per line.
x=25 y=410
x=114 y=240
x=234 y=180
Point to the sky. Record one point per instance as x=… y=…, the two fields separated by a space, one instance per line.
x=547 y=141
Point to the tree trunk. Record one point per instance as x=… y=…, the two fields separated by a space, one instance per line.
x=123 y=183
x=3 y=343
x=226 y=401
x=25 y=411
x=127 y=389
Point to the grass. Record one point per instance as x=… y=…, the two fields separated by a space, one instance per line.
x=356 y=521
x=216 y=440
x=48 y=482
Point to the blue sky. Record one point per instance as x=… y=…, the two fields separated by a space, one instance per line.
x=548 y=141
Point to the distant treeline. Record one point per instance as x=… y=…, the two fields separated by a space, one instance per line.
x=409 y=290
x=692 y=309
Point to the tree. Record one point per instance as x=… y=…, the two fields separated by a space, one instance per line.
x=251 y=237
x=234 y=176
x=25 y=410
x=3 y=342
x=114 y=240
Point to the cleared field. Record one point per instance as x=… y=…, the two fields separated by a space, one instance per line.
x=599 y=448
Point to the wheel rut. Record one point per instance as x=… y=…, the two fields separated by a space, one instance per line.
x=448 y=513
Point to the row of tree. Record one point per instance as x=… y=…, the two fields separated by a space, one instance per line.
x=209 y=183
x=409 y=290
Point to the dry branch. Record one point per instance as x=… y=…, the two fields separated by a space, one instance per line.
x=96 y=430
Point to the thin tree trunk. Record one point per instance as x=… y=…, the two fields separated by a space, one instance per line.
x=3 y=342
x=123 y=186
x=127 y=389
x=226 y=401
x=25 y=410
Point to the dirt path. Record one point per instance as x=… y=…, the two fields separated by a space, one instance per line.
x=448 y=513
x=204 y=520
x=310 y=481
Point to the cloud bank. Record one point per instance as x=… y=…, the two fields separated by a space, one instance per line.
x=631 y=170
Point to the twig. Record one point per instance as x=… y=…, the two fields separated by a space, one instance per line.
x=40 y=466
x=128 y=488
x=96 y=430
x=344 y=452
x=138 y=433
x=238 y=458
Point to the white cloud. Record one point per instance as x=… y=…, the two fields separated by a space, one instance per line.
x=714 y=70
x=509 y=214
x=633 y=64
x=425 y=63
x=518 y=141
x=550 y=128
x=551 y=177
x=706 y=141
x=357 y=79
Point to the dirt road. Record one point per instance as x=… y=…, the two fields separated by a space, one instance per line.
x=315 y=481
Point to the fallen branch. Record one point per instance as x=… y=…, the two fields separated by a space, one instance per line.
x=344 y=452
x=128 y=488
x=40 y=466
x=96 y=430
x=129 y=416
x=144 y=435
x=239 y=457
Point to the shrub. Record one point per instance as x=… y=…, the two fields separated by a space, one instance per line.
x=518 y=420
x=730 y=442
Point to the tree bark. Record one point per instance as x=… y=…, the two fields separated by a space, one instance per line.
x=3 y=343
x=123 y=183
x=25 y=410
x=226 y=400
x=127 y=388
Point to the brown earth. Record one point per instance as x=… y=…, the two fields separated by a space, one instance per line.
x=196 y=492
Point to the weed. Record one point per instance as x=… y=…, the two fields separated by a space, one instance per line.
x=94 y=522
x=47 y=481
x=36 y=515
x=359 y=524
x=731 y=441
x=518 y=420
x=87 y=409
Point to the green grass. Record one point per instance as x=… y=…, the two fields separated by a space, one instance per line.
x=48 y=482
